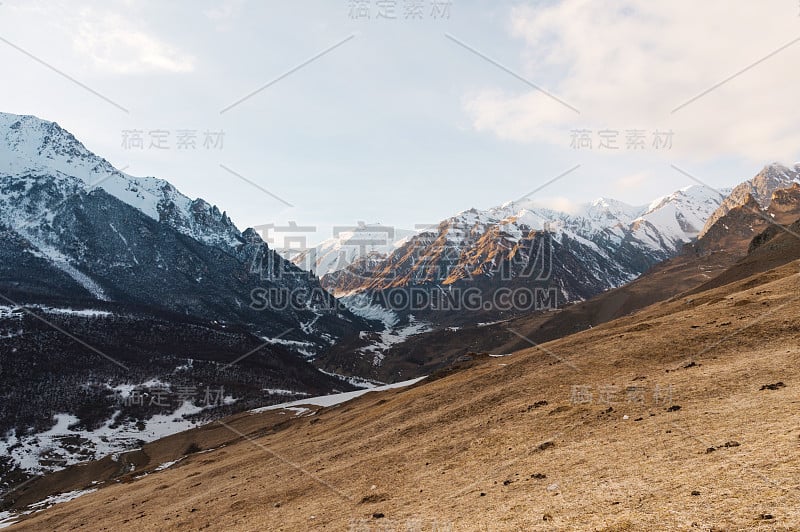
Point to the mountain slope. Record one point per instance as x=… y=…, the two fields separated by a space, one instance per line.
x=616 y=428
x=130 y=286
x=714 y=259
x=475 y=243
x=760 y=188
x=139 y=241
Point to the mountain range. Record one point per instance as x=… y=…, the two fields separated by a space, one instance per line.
x=480 y=267
x=672 y=409
x=736 y=244
x=115 y=287
x=609 y=230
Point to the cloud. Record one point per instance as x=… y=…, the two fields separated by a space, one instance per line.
x=224 y=10
x=115 y=45
x=631 y=181
x=631 y=63
x=225 y=13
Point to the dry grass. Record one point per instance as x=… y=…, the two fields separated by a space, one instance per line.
x=467 y=450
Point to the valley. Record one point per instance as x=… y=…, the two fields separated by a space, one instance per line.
x=613 y=428
x=149 y=346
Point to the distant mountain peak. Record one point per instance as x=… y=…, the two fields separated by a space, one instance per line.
x=772 y=177
x=603 y=244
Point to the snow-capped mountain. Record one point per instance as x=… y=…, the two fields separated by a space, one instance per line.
x=114 y=282
x=31 y=146
x=760 y=188
x=675 y=219
x=613 y=241
x=114 y=237
x=374 y=241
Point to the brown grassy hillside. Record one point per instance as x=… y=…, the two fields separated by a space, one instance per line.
x=686 y=428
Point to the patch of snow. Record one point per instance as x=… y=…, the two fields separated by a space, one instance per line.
x=488 y=323
x=61 y=262
x=358 y=382
x=61 y=498
x=278 y=391
x=7 y=519
x=336 y=399
x=167 y=465
x=362 y=306
x=391 y=336
x=84 y=313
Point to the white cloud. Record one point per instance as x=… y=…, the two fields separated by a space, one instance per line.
x=114 y=44
x=631 y=181
x=225 y=14
x=224 y=10
x=629 y=64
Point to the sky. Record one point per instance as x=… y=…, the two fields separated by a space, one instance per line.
x=324 y=113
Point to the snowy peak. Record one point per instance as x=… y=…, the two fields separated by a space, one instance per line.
x=761 y=187
x=34 y=145
x=691 y=195
x=30 y=146
x=675 y=219
x=348 y=245
x=609 y=212
x=768 y=180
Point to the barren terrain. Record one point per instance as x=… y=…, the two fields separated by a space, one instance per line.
x=682 y=416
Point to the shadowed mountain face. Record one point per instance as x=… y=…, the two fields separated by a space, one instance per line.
x=102 y=235
x=93 y=247
x=115 y=287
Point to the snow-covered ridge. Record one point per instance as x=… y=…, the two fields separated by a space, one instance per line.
x=38 y=148
x=365 y=240
x=661 y=226
x=679 y=215
x=761 y=187
x=677 y=218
